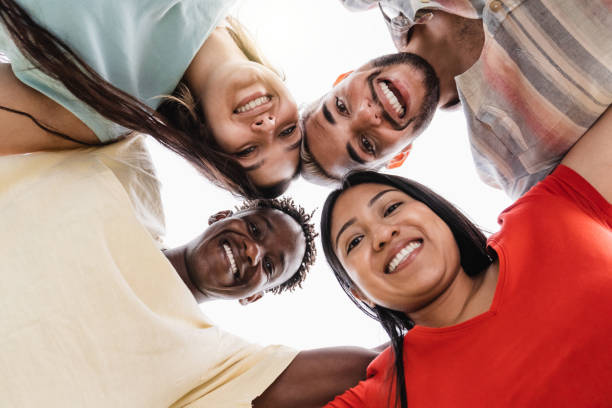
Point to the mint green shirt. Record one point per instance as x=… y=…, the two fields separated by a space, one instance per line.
x=142 y=47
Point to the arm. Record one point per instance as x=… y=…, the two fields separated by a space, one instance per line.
x=316 y=376
x=20 y=134
x=591 y=156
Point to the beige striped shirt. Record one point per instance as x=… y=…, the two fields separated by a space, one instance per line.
x=543 y=78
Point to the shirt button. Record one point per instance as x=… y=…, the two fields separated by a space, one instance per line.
x=495 y=5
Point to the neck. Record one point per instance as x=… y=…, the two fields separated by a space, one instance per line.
x=451 y=44
x=177 y=257
x=464 y=299
x=218 y=49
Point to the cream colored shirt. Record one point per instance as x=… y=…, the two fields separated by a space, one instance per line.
x=91 y=312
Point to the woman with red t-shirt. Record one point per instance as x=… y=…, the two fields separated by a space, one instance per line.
x=519 y=320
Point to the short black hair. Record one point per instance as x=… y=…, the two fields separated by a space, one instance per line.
x=299 y=214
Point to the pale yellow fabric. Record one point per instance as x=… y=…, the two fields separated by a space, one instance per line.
x=91 y=312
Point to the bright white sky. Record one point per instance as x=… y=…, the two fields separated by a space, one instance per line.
x=313 y=41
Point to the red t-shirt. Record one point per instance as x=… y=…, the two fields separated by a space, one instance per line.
x=546 y=340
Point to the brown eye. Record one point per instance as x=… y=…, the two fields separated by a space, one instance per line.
x=392 y=208
x=246 y=152
x=341 y=107
x=254 y=230
x=287 y=131
x=268 y=266
x=367 y=145
x=353 y=243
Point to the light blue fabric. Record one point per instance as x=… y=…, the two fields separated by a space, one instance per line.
x=142 y=47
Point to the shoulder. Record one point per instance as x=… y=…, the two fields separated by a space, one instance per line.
x=563 y=199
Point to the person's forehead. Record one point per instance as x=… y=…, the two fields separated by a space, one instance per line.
x=327 y=142
x=362 y=197
x=279 y=220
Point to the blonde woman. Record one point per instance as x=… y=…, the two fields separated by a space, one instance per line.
x=87 y=72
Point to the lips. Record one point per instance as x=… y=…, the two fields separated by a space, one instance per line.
x=394 y=98
x=254 y=104
x=232 y=265
x=403 y=254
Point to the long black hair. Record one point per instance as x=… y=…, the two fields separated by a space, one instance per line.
x=474 y=256
x=178 y=124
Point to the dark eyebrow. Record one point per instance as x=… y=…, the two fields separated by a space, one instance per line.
x=344 y=227
x=328 y=115
x=294 y=146
x=378 y=195
x=254 y=166
x=353 y=154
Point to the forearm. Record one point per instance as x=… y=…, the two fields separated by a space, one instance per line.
x=315 y=377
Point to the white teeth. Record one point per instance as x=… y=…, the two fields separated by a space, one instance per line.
x=230 y=256
x=253 y=104
x=403 y=254
x=392 y=98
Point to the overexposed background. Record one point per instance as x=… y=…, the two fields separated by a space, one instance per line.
x=313 y=41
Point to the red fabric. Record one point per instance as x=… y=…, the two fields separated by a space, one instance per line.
x=547 y=339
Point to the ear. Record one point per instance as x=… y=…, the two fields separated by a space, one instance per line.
x=399 y=158
x=219 y=216
x=359 y=295
x=424 y=18
x=251 y=299
x=342 y=77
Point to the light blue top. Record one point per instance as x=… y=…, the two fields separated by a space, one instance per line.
x=142 y=47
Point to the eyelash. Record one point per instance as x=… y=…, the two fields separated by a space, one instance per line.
x=287 y=131
x=353 y=243
x=341 y=107
x=246 y=152
x=268 y=266
x=392 y=208
x=254 y=230
x=367 y=145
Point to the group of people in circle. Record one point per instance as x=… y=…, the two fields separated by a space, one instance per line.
x=518 y=318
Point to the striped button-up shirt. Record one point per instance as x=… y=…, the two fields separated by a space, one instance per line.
x=543 y=78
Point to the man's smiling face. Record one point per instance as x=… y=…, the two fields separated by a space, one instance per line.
x=246 y=254
x=372 y=114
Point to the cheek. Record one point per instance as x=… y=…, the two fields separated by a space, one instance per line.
x=361 y=273
x=227 y=134
x=392 y=141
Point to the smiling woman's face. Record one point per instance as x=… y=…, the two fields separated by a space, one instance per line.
x=250 y=252
x=255 y=119
x=397 y=251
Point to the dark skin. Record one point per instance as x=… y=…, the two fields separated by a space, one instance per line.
x=314 y=377
x=265 y=245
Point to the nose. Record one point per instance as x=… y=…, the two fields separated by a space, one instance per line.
x=253 y=252
x=383 y=234
x=264 y=123
x=368 y=114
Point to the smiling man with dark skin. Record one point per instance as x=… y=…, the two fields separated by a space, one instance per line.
x=531 y=78
x=267 y=246
x=102 y=299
